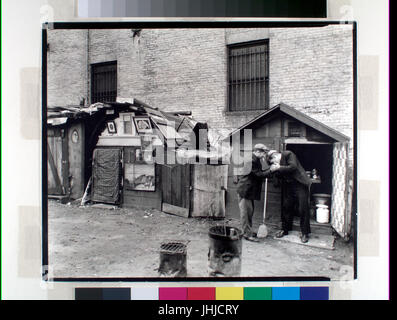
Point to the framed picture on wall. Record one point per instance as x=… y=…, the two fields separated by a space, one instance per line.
x=143 y=124
x=140 y=177
x=139 y=171
x=111 y=127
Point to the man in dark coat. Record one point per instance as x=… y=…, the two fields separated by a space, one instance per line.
x=295 y=188
x=249 y=189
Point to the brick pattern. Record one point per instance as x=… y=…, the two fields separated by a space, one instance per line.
x=186 y=69
x=67 y=67
x=311 y=69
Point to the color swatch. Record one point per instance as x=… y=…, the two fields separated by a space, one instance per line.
x=201 y=293
x=173 y=293
x=286 y=293
x=258 y=293
x=204 y=293
x=230 y=293
x=203 y=8
x=314 y=293
x=102 y=294
x=151 y=293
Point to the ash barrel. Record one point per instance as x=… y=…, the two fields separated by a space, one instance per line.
x=225 y=251
x=173 y=259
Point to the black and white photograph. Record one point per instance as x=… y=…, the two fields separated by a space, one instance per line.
x=201 y=152
x=111 y=127
x=142 y=124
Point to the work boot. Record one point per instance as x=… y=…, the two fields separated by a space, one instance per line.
x=251 y=238
x=305 y=238
x=281 y=233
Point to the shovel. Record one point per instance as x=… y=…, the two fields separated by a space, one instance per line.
x=262 y=231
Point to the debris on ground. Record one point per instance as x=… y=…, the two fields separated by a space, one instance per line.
x=90 y=238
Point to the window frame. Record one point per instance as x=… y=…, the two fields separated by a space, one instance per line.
x=93 y=66
x=229 y=47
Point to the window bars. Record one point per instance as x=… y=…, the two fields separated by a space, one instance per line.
x=248 y=76
x=104 y=82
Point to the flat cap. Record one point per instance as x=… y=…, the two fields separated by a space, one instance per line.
x=261 y=147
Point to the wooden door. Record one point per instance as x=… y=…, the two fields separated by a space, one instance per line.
x=340 y=210
x=175 y=182
x=57 y=161
x=209 y=185
x=106 y=176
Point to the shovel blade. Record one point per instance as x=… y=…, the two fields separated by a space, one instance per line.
x=262 y=231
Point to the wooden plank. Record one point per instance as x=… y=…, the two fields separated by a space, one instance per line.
x=58 y=185
x=119 y=141
x=142 y=201
x=208 y=204
x=165 y=183
x=182 y=193
x=176 y=185
x=169 y=208
x=143 y=194
x=62 y=198
x=208 y=196
x=51 y=180
x=168 y=184
x=76 y=158
x=183 y=182
x=65 y=162
x=187 y=184
x=210 y=177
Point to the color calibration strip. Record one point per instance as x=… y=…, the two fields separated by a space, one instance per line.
x=204 y=293
x=203 y=8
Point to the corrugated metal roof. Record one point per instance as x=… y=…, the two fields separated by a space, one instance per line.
x=171 y=125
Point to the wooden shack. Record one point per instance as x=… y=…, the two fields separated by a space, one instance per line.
x=130 y=154
x=316 y=145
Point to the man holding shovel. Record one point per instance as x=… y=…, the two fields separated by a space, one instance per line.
x=249 y=189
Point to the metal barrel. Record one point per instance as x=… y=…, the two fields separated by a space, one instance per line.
x=225 y=251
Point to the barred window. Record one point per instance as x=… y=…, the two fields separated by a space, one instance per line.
x=104 y=82
x=248 y=76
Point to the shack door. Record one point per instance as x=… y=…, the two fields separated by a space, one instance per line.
x=340 y=211
x=57 y=161
x=175 y=182
x=106 y=176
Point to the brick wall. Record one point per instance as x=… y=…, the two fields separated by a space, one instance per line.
x=185 y=69
x=67 y=67
x=311 y=69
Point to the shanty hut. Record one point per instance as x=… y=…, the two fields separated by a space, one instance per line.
x=317 y=146
x=130 y=154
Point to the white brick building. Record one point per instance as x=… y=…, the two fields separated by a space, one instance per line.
x=310 y=69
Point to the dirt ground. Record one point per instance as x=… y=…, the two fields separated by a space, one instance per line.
x=121 y=242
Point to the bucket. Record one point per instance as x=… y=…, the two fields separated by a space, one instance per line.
x=225 y=251
x=322 y=213
x=172 y=259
